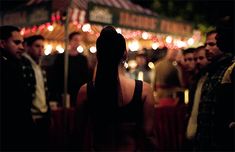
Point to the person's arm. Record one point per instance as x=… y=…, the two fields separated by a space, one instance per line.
x=82 y=95
x=81 y=119
x=148 y=98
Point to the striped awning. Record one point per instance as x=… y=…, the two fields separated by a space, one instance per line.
x=123 y=4
x=83 y=5
x=79 y=8
x=78 y=14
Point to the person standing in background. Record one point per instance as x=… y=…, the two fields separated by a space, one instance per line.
x=189 y=68
x=195 y=94
x=201 y=66
x=168 y=79
x=212 y=50
x=34 y=46
x=200 y=58
x=206 y=134
x=142 y=71
x=78 y=71
x=224 y=109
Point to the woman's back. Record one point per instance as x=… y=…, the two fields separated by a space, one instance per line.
x=131 y=114
x=107 y=104
x=132 y=127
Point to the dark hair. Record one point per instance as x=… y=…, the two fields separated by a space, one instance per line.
x=111 y=47
x=225 y=36
x=189 y=50
x=199 y=48
x=211 y=32
x=6 y=31
x=30 y=40
x=71 y=35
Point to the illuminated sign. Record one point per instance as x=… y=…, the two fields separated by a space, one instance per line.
x=33 y=15
x=168 y=26
x=138 y=21
x=100 y=14
x=106 y=15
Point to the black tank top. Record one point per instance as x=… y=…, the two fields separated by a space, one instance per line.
x=129 y=121
x=133 y=111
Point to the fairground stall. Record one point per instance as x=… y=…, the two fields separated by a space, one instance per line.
x=141 y=27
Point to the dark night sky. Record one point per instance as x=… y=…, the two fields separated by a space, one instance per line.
x=209 y=10
x=10 y=4
x=216 y=9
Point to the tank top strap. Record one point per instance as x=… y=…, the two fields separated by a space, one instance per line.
x=138 y=91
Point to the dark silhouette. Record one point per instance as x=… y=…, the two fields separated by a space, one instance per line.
x=78 y=72
x=17 y=88
x=119 y=110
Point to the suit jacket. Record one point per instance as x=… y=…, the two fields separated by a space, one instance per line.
x=208 y=113
x=17 y=87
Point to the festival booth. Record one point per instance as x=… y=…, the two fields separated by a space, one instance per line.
x=142 y=28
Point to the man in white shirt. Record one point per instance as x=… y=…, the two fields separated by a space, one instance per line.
x=34 y=46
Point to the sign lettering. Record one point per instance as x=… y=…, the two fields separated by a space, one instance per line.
x=101 y=14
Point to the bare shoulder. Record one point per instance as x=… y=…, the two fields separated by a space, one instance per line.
x=147 y=94
x=147 y=89
x=82 y=95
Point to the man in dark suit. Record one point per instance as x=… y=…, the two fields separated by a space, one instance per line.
x=17 y=87
x=224 y=108
x=215 y=111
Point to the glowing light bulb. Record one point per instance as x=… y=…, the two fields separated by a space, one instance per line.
x=180 y=44
x=80 y=49
x=151 y=65
x=48 y=49
x=134 y=46
x=145 y=35
x=155 y=45
x=119 y=30
x=86 y=28
x=59 y=49
x=93 y=49
x=190 y=41
x=168 y=39
x=132 y=64
x=50 y=28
